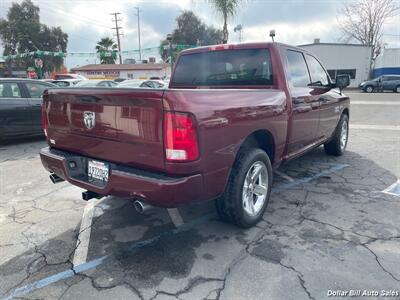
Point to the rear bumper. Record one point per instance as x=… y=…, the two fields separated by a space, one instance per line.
x=154 y=188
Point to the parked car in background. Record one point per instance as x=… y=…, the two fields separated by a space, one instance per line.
x=382 y=83
x=119 y=79
x=130 y=83
x=69 y=76
x=153 y=84
x=20 y=107
x=232 y=113
x=66 y=82
x=135 y=83
x=96 y=83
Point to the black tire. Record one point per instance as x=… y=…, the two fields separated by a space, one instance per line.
x=334 y=146
x=369 y=89
x=229 y=206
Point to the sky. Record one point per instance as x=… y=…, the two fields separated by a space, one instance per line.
x=295 y=21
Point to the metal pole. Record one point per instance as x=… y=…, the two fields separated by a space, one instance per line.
x=170 y=56
x=117 y=28
x=138 y=25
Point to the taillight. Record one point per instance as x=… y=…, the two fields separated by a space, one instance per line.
x=180 y=137
x=44 y=119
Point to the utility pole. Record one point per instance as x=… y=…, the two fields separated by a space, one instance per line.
x=117 y=28
x=138 y=11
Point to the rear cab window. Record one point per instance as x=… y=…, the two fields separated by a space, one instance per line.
x=234 y=67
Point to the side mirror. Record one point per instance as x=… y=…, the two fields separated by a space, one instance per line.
x=342 y=81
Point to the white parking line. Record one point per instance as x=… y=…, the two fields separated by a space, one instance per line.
x=360 y=102
x=283 y=175
x=82 y=244
x=375 y=127
x=175 y=216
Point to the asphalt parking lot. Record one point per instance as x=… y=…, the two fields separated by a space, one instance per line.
x=329 y=227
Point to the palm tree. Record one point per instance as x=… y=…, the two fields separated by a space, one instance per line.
x=227 y=9
x=106 y=47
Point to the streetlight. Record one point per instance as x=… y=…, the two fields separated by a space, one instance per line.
x=169 y=39
x=239 y=28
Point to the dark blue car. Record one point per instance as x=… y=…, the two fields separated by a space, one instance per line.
x=382 y=83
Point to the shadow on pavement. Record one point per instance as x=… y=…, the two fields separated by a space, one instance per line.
x=207 y=248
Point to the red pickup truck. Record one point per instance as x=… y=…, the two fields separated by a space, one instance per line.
x=230 y=115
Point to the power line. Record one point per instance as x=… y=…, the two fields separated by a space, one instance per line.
x=74 y=16
x=138 y=11
x=117 y=28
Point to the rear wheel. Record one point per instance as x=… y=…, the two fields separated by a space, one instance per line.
x=248 y=190
x=369 y=89
x=337 y=145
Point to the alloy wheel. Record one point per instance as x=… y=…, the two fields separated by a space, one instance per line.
x=255 y=188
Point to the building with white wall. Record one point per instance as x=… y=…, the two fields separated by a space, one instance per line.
x=388 y=62
x=351 y=59
x=127 y=71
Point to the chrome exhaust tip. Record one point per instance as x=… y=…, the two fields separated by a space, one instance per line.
x=55 y=178
x=141 y=207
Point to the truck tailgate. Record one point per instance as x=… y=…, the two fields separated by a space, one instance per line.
x=122 y=125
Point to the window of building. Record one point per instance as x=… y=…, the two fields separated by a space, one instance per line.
x=350 y=72
x=332 y=73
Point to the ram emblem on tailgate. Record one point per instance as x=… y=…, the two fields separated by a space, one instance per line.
x=89 y=118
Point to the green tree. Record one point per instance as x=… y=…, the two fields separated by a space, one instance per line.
x=227 y=9
x=189 y=31
x=107 y=48
x=21 y=31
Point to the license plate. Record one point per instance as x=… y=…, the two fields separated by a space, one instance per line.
x=97 y=171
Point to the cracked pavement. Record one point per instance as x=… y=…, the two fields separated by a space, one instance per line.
x=334 y=231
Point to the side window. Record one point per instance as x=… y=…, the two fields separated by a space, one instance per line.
x=9 y=90
x=35 y=89
x=317 y=72
x=146 y=84
x=298 y=71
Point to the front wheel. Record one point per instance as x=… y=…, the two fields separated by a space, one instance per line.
x=369 y=89
x=248 y=190
x=337 y=145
